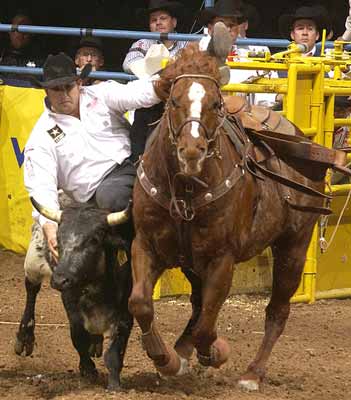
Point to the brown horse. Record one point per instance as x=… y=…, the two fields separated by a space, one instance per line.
x=199 y=204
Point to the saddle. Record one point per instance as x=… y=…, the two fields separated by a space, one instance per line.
x=265 y=125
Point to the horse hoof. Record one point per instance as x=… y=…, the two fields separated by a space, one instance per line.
x=249 y=385
x=221 y=351
x=249 y=382
x=174 y=365
x=184 y=366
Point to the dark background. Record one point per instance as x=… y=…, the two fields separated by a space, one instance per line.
x=120 y=14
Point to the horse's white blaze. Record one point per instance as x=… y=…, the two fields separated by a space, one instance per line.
x=196 y=94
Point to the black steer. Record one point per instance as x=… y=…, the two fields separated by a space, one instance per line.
x=94 y=285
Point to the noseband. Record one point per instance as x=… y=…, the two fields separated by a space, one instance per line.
x=174 y=133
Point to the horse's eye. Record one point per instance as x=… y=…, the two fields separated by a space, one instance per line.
x=216 y=105
x=174 y=102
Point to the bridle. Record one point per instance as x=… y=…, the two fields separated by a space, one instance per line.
x=211 y=136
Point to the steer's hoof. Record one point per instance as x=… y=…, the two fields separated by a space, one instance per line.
x=173 y=367
x=25 y=346
x=89 y=372
x=114 y=385
x=249 y=382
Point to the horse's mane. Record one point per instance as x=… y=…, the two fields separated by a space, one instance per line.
x=190 y=60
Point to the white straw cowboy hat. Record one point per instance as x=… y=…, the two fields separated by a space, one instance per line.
x=151 y=63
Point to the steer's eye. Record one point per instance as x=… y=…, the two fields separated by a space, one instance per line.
x=93 y=242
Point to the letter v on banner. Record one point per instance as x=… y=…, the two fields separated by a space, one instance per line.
x=19 y=154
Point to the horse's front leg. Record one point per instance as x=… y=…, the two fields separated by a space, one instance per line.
x=212 y=350
x=184 y=345
x=145 y=275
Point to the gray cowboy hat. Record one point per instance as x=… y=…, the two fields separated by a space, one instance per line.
x=60 y=70
x=318 y=14
x=174 y=8
x=223 y=8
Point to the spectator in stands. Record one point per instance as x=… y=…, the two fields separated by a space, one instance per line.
x=250 y=20
x=81 y=143
x=304 y=26
x=231 y=13
x=347 y=34
x=90 y=51
x=144 y=58
x=162 y=17
x=22 y=49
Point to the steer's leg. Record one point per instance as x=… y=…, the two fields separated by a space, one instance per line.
x=114 y=356
x=289 y=259
x=146 y=271
x=184 y=345
x=80 y=336
x=211 y=350
x=35 y=268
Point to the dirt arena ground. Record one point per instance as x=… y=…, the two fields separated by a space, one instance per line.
x=311 y=361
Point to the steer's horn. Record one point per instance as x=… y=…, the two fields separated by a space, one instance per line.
x=119 y=217
x=54 y=215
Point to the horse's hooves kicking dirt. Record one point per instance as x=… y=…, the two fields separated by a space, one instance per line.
x=249 y=382
x=174 y=365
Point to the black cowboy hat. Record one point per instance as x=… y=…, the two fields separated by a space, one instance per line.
x=223 y=8
x=60 y=70
x=174 y=8
x=250 y=14
x=91 y=41
x=318 y=14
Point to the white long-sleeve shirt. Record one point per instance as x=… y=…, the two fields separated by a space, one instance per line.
x=64 y=152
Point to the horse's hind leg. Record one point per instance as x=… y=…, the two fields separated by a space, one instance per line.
x=184 y=345
x=289 y=258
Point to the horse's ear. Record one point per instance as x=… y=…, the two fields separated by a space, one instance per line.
x=221 y=43
x=224 y=72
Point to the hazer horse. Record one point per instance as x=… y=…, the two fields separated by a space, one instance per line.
x=204 y=200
